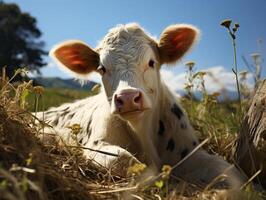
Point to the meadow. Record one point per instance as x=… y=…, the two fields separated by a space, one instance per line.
x=52 y=97
x=30 y=169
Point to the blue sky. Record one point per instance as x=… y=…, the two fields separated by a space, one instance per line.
x=90 y=20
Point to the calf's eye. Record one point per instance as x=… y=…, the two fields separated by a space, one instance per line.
x=151 y=63
x=101 y=69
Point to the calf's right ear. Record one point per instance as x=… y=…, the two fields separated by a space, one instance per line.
x=76 y=56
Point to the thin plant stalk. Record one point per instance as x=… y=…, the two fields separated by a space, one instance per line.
x=235 y=71
x=232 y=32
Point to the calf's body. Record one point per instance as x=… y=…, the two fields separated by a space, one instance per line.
x=135 y=116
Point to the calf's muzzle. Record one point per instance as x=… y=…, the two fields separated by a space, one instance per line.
x=128 y=101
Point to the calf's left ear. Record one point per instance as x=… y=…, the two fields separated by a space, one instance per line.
x=175 y=41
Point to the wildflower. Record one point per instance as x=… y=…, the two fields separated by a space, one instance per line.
x=200 y=74
x=255 y=56
x=243 y=75
x=190 y=64
x=166 y=171
x=226 y=23
x=159 y=184
x=237 y=25
x=216 y=94
x=75 y=129
x=38 y=89
x=188 y=86
x=29 y=160
x=136 y=169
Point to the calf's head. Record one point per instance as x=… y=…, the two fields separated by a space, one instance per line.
x=129 y=61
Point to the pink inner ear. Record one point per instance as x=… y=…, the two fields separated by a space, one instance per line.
x=184 y=39
x=75 y=58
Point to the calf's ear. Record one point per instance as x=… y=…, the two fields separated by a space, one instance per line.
x=175 y=41
x=76 y=56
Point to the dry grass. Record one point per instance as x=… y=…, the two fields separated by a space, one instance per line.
x=31 y=170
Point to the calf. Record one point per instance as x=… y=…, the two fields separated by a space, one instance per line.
x=135 y=116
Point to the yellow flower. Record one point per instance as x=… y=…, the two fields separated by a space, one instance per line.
x=75 y=129
x=166 y=169
x=190 y=64
x=136 y=169
x=38 y=89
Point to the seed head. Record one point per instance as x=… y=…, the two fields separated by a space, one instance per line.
x=38 y=89
x=188 y=86
x=166 y=170
x=190 y=65
x=255 y=56
x=216 y=94
x=243 y=74
x=202 y=73
x=237 y=25
x=75 y=129
x=226 y=23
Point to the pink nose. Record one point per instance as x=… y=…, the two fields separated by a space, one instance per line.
x=128 y=101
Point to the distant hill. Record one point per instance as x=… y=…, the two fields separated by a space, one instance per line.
x=55 y=82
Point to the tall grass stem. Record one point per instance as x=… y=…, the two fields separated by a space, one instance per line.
x=236 y=74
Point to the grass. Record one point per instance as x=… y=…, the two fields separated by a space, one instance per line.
x=31 y=170
x=52 y=97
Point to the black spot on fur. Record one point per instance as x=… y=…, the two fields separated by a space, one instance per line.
x=51 y=111
x=88 y=127
x=161 y=128
x=55 y=122
x=70 y=116
x=177 y=111
x=80 y=140
x=96 y=142
x=65 y=109
x=183 y=153
x=170 y=145
x=65 y=112
x=183 y=125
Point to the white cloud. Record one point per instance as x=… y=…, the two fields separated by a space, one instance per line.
x=172 y=80
x=95 y=77
x=51 y=64
x=217 y=78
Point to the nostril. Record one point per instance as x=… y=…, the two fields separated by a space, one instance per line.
x=137 y=98
x=118 y=101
